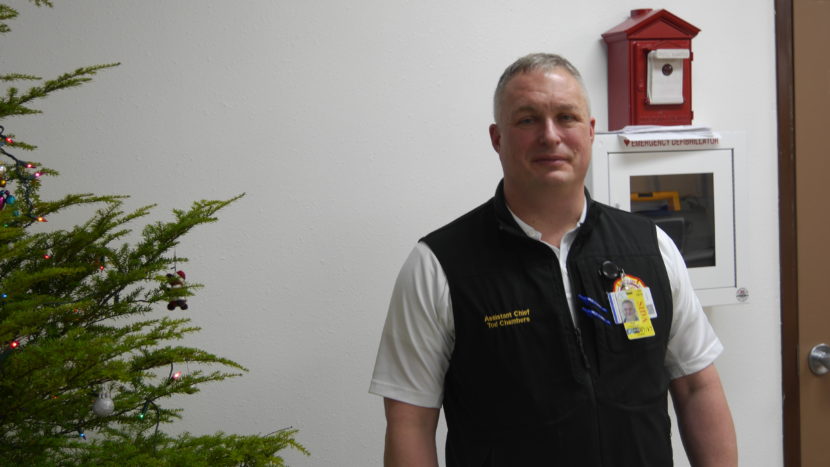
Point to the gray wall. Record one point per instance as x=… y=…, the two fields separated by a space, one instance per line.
x=354 y=128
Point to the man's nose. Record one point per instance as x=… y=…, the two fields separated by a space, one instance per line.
x=550 y=133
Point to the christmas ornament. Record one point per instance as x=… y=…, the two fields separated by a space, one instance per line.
x=6 y=198
x=104 y=405
x=176 y=282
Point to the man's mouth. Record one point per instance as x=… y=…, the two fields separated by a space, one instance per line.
x=550 y=159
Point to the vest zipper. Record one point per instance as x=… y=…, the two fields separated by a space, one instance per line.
x=589 y=383
x=589 y=374
x=581 y=348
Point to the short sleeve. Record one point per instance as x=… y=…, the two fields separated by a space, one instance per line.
x=418 y=335
x=693 y=344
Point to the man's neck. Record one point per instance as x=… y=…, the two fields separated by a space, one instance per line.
x=553 y=213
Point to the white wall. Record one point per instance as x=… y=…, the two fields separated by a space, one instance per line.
x=355 y=128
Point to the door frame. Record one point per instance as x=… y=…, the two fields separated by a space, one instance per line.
x=787 y=232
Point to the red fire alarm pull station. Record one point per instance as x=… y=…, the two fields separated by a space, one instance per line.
x=650 y=70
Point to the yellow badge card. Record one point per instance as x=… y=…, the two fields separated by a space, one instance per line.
x=634 y=308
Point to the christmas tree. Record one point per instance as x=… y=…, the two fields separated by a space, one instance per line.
x=88 y=321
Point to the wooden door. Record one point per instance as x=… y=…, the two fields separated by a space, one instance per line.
x=804 y=121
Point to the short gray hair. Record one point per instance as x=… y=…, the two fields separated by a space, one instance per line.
x=536 y=62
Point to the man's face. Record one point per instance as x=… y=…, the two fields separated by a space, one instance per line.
x=543 y=132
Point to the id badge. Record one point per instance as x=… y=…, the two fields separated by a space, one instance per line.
x=633 y=307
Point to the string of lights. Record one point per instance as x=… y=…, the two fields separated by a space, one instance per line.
x=20 y=173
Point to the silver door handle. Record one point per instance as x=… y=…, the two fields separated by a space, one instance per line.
x=819 y=359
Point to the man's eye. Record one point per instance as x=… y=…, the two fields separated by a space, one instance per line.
x=526 y=120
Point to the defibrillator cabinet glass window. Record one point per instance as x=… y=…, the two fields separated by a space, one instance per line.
x=683 y=205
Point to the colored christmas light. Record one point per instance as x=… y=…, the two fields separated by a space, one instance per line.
x=144 y=408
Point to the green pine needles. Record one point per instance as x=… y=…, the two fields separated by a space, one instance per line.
x=83 y=325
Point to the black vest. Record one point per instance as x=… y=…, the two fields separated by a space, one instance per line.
x=525 y=387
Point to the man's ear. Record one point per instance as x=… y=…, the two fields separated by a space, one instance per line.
x=593 y=129
x=495 y=137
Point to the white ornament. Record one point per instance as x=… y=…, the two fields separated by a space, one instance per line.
x=103 y=405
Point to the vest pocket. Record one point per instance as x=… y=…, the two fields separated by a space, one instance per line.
x=644 y=268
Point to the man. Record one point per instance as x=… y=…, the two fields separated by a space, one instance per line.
x=629 y=313
x=498 y=316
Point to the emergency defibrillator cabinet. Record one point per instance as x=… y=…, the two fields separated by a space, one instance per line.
x=692 y=188
x=650 y=70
